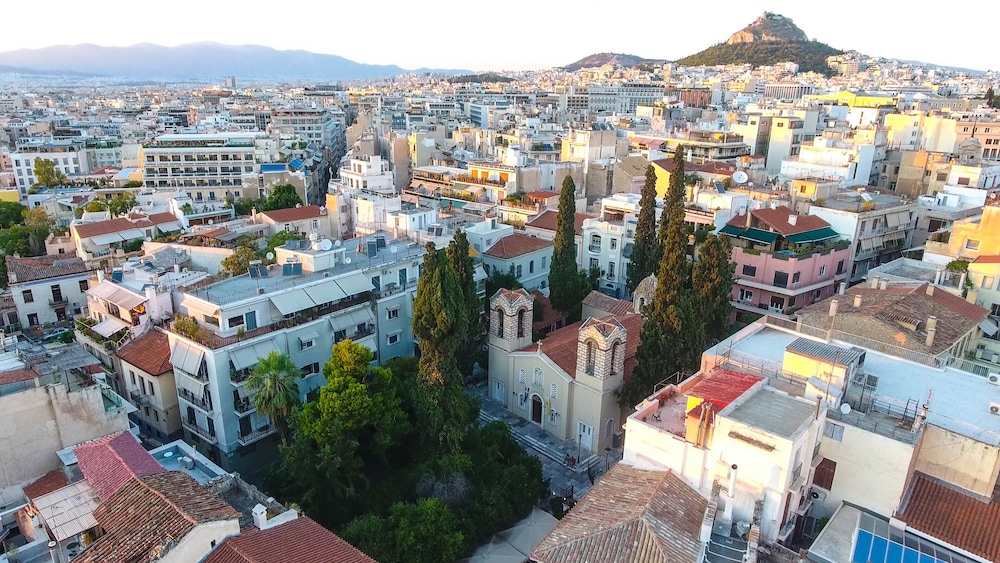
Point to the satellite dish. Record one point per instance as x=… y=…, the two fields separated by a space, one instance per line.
x=740 y=177
x=393 y=249
x=211 y=221
x=149 y=239
x=337 y=243
x=270 y=256
x=326 y=244
x=347 y=260
x=845 y=409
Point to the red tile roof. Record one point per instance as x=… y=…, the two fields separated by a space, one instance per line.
x=709 y=167
x=108 y=463
x=561 y=345
x=542 y=194
x=721 y=388
x=43 y=267
x=546 y=220
x=16 y=375
x=51 y=481
x=516 y=244
x=988 y=259
x=630 y=515
x=610 y=305
x=777 y=220
x=302 y=540
x=293 y=214
x=118 y=224
x=549 y=315
x=150 y=353
x=953 y=516
x=149 y=515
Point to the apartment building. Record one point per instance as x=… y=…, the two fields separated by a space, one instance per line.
x=208 y=166
x=149 y=384
x=826 y=157
x=967 y=239
x=623 y=97
x=784 y=261
x=369 y=173
x=527 y=258
x=879 y=226
x=100 y=243
x=311 y=299
x=68 y=157
x=47 y=289
x=313 y=125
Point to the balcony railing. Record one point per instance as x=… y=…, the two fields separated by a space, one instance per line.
x=596 y=248
x=138 y=398
x=60 y=302
x=203 y=433
x=200 y=376
x=797 y=472
x=253 y=436
x=195 y=400
x=239 y=376
x=244 y=406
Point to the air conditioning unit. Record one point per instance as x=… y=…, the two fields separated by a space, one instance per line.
x=817 y=494
x=995 y=408
x=993 y=378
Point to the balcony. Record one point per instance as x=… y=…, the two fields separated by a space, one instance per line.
x=796 y=472
x=244 y=406
x=199 y=402
x=138 y=399
x=239 y=376
x=200 y=377
x=58 y=302
x=203 y=433
x=255 y=435
x=113 y=402
x=595 y=248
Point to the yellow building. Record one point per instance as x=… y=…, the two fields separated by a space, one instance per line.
x=854 y=99
x=10 y=195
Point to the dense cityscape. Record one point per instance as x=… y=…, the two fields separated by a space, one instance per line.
x=738 y=307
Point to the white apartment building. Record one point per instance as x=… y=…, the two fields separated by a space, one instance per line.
x=624 y=97
x=369 y=173
x=829 y=158
x=527 y=258
x=209 y=166
x=362 y=289
x=47 y=289
x=69 y=158
x=315 y=125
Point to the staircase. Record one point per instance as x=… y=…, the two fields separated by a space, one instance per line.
x=542 y=448
x=725 y=549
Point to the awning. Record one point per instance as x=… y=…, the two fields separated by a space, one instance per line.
x=812 y=236
x=168 y=227
x=105 y=238
x=263 y=349
x=892 y=220
x=988 y=327
x=308 y=336
x=292 y=302
x=243 y=358
x=866 y=244
x=355 y=283
x=132 y=234
x=761 y=236
x=326 y=292
x=110 y=291
x=363 y=316
x=186 y=357
x=903 y=218
x=731 y=230
x=109 y=326
x=229 y=236
x=68 y=511
x=341 y=322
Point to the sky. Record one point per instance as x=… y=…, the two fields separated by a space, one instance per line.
x=511 y=35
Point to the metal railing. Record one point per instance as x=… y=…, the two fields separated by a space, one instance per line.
x=253 y=436
x=138 y=398
x=244 y=406
x=203 y=433
x=195 y=400
x=796 y=472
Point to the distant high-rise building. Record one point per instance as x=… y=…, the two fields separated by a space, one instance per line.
x=231 y=82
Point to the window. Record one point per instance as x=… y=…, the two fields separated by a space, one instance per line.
x=749 y=271
x=521 y=377
x=392 y=313
x=33 y=319
x=531 y=267
x=56 y=292
x=970 y=244
x=28 y=297
x=553 y=391
x=614 y=243
x=310 y=369
x=339 y=335
x=518 y=271
x=132 y=373
x=544 y=262
x=796 y=276
x=987 y=282
x=594 y=263
x=392 y=339
x=781 y=279
x=306 y=344
x=84 y=285
x=595 y=242
x=746 y=296
x=840 y=267
x=780 y=124
x=834 y=431
x=536 y=377
x=235 y=321
x=822 y=271
x=611 y=269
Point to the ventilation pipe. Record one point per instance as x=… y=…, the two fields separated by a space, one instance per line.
x=730 y=495
x=930 y=290
x=833 y=307
x=873 y=283
x=931 y=330
x=100 y=276
x=883 y=283
x=937 y=276
x=857 y=301
x=843 y=288
x=792 y=219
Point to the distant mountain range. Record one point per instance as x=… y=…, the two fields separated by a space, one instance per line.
x=613 y=59
x=199 y=61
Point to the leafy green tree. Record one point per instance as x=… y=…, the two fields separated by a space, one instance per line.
x=47 y=174
x=565 y=291
x=276 y=392
x=645 y=252
x=440 y=323
x=133 y=184
x=238 y=262
x=283 y=196
x=13 y=241
x=95 y=206
x=279 y=239
x=460 y=258
x=39 y=223
x=121 y=204
x=713 y=279
x=245 y=206
x=10 y=214
x=421 y=532
x=501 y=280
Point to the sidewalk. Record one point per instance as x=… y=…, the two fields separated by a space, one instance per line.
x=550 y=450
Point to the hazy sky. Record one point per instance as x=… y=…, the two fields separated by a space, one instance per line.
x=513 y=35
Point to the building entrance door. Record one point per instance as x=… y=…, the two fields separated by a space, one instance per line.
x=536 y=409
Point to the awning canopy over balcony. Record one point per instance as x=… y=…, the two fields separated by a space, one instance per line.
x=327 y=292
x=292 y=301
x=186 y=357
x=812 y=236
x=355 y=283
x=756 y=235
x=114 y=293
x=243 y=357
x=168 y=227
x=109 y=326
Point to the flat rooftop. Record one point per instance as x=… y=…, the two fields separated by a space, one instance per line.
x=960 y=401
x=844 y=202
x=773 y=412
x=180 y=456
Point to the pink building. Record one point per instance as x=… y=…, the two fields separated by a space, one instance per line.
x=784 y=261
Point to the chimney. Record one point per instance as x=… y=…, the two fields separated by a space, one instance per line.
x=857 y=301
x=930 y=290
x=843 y=288
x=748 y=220
x=937 y=276
x=259 y=516
x=100 y=276
x=883 y=283
x=792 y=219
x=873 y=283
x=819 y=407
x=833 y=307
x=730 y=496
x=931 y=330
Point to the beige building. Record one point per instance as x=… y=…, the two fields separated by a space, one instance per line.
x=967 y=239
x=149 y=380
x=565 y=383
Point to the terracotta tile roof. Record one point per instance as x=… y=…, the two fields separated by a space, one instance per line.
x=721 y=388
x=516 y=244
x=542 y=194
x=561 y=345
x=150 y=353
x=302 y=540
x=608 y=304
x=953 y=516
x=51 y=481
x=777 y=220
x=546 y=220
x=630 y=515
x=109 y=463
x=293 y=213
x=118 y=224
x=43 y=267
x=988 y=259
x=709 y=167
x=549 y=315
x=883 y=312
x=149 y=515
x=16 y=375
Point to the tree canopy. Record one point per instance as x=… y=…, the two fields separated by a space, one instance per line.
x=274 y=388
x=646 y=250
x=566 y=288
x=122 y=204
x=279 y=239
x=46 y=173
x=283 y=196
x=10 y=214
x=712 y=281
x=460 y=258
x=239 y=261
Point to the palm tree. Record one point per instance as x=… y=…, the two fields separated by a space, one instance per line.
x=276 y=392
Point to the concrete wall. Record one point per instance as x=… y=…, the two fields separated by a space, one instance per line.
x=38 y=422
x=203 y=258
x=956 y=459
x=197 y=543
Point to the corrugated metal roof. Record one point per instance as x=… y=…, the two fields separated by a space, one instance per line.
x=824 y=351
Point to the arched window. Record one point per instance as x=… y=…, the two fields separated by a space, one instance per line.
x=536 y=378
x=616 y=350
x=590 y=357
x=500 y=322
x=521 y=378
x=520 y=323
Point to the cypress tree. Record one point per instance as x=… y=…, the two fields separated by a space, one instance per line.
x=566 y=292
x=646 y=250
x=461 y=263
x=712 y=279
